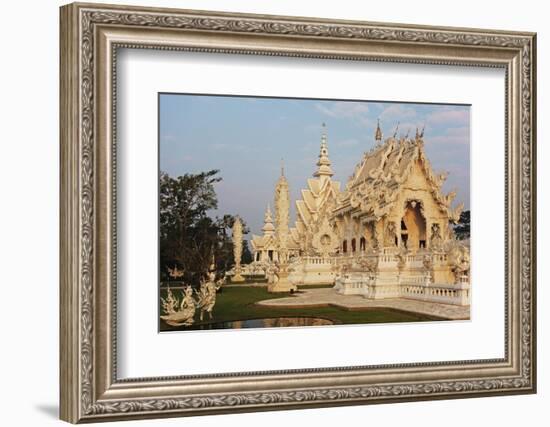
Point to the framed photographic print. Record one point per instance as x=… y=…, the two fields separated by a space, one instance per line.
x=265 y=212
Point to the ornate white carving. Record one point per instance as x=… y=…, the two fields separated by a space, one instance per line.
x=207 y=295
x=237 y=249
x=182 y=316
x=89 y=19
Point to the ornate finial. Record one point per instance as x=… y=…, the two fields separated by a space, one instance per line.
x=378 y=133
x=282 y=167
x=416 y=135
x=422 y=131
x=323 y=164
x=268 y=227
x=408 y=131
x=396 y=130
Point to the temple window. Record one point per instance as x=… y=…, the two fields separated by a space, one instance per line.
x=345 y=246
x=362 y=244
x=270 y=255
x=353 y=245
x=422 y=243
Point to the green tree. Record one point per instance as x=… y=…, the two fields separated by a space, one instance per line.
x=188 y=236
x=462 y=227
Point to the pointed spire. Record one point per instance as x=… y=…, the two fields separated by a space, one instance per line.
x=268 y=228
x=396 y=130
x=268 y=215
x=323 y=164
x=378 y=133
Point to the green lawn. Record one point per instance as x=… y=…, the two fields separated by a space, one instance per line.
x=238 y=303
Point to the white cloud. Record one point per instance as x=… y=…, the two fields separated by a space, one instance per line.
x=397 y=112
x=352 y=110
x=455 y=135
x=449 y=116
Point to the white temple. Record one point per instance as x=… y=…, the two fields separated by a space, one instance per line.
x=388 y=234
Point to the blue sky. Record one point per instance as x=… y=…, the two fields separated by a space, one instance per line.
x=246 y=138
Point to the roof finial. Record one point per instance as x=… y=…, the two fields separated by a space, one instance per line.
x=422 y=131
x=282 y=166
x=378 y=133
x=323 y=164
x=324 y=133
x=396 y=129
x=268 y=227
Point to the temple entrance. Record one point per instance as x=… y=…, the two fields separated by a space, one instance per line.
x=413 y=227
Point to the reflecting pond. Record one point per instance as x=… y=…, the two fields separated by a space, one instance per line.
x=271 y=322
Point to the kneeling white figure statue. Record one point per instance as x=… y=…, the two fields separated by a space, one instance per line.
x=184 y=316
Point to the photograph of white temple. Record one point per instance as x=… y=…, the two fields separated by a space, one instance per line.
x=365 y=229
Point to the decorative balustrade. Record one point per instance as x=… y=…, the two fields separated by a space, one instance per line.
x=417 y=287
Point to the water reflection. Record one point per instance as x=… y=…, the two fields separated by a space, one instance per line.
x=273 y=322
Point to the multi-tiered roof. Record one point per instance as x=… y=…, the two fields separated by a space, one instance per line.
x=381 y=174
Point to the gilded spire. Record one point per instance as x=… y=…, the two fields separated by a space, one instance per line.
x=323 y=164
x=378 y=134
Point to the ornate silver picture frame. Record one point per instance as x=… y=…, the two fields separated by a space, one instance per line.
x=91 y=36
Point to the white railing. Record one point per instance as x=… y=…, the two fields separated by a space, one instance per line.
x=412 y=287
x=318 y=260
x=448 y=294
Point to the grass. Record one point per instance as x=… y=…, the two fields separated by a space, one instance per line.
x=238 y=303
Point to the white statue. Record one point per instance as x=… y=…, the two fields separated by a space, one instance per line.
x=185 y=315
x=271 y=273
x=207 y=294
x=459 y=259
x=237 y=249
x=175 y=273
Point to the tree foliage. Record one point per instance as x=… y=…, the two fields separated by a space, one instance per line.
x=189 y=238
x=462 y=227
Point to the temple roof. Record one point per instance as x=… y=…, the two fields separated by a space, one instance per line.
x=374 y=186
